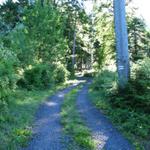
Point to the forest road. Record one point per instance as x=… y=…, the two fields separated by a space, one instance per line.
x=47 y=130
x=103 y=132
x=48 y=134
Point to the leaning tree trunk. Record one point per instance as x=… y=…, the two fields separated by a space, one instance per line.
x=121 y=42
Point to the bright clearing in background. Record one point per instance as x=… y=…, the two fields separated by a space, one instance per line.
x=143 y=11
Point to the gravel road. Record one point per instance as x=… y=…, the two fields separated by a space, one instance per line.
x=47 y=131
x=103 y=132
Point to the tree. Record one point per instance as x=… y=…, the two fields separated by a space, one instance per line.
x=121 y=42
x=11 y=18
x=11 y=14
x=74 y=49
x=76 y=18
x=103 y=34
x=138 y=38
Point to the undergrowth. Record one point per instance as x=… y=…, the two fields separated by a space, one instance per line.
x=16 y=123
x=128 y=109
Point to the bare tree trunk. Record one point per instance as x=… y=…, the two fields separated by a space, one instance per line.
x=121 y=42
x=74 y=49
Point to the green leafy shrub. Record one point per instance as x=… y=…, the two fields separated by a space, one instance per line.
x=43 y=76
x=128 y=109
x=60 y=73
x=7 y=76
x=135 y=100
x=39 y=77
x=136 y=95
x=141 y=84
x=105 y=80
x=143 y=76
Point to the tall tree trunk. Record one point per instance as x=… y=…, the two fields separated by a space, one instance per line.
x=123 y=66
x=73 y=50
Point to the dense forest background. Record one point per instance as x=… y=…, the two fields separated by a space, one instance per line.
x=44 y=43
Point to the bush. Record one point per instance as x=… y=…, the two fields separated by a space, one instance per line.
x=137 y=93
x=141 y=84
x=143 y=76
x=105 y=80
x=43 y=76
x=39 y=77
x=60 y=74
x=128 y=109
x=7 y=76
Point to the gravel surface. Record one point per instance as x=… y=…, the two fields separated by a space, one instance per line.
x=103 y=132
x=47 y=131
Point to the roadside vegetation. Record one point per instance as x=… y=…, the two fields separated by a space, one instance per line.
x=17 y=119
x=73 y=124
x=129 y=109
x=34 y=61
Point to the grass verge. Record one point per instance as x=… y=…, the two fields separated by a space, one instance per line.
x=73 y=124
x=16 y=124
x=134 y=124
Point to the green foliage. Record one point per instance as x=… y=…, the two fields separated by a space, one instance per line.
x=38 y=77
x=128 y=109
x=143 y=76
x=43 y=76
x=33 y=53
x=104 y=33
x=76 y=34
x=16 y=124
x=105 y=80
x=73 y=125
x=10 y=18
x=22 y=45
x=7 y=76
x=136 y=95
x=138 y=38
x=37 y=41
x=60 y=73
x=29 y=56
x=45 y=28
